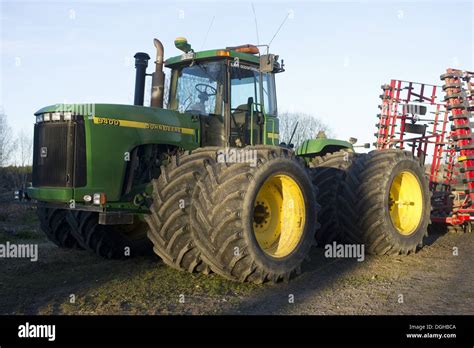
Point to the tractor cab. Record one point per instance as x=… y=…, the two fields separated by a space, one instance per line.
x=230 y=91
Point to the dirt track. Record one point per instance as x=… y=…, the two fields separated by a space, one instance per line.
x=433 y=281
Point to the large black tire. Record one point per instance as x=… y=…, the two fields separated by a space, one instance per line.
x=328 y=173
x=169 y=219
x=54 y=224
x=368 y=203
x=109 y=241
x=225 y=211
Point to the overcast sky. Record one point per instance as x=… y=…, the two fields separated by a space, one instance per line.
x=337 y=53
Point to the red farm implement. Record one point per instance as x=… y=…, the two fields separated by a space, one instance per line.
x=433 y=122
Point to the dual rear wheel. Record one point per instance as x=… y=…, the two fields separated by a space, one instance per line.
x=380 y=199
x=245 y=222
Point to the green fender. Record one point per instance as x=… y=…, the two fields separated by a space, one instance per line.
x=319 y=147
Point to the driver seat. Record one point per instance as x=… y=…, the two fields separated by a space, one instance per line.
x=200 y=106
x=240 y=114
x=240 y=123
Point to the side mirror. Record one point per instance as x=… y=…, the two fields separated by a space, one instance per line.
x=267 y=63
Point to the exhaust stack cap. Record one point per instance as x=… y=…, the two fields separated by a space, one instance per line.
x=141 y=58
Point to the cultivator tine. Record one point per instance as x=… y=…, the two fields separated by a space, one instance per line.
x=458 y=89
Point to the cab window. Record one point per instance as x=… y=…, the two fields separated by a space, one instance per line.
x=199 y=88
x=244 y=85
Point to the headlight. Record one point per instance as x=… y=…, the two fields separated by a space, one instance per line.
x=99 y=199
x=56 y=116
x=87 y=198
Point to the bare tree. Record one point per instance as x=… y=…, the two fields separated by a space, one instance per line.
x=24 y=149
x=307 y=127
x=24 y=157
x=7 y=144
x=166 y=91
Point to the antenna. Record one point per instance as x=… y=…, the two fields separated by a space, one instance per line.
x=256 y=25
x=278 y=30
x=207 y=33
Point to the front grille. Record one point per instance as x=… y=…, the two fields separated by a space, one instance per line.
x=59 y=158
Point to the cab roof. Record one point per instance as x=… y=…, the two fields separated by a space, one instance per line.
x=210 y=54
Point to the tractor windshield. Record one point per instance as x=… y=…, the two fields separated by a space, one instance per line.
x=198 y=88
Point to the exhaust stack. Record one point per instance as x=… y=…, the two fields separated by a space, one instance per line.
x=158 y=80
x=141 y=63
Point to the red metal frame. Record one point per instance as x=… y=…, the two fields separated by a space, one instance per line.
x=446 y=141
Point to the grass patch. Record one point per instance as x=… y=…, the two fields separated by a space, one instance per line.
x=153 y=288
x=25 y=235
x=360 y=280
x=29 y=234
x=3 y=216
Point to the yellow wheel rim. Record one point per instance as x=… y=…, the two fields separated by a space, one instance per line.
x=279 y=216
x=406 y=202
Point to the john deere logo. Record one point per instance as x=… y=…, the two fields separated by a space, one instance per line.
x=44 y=152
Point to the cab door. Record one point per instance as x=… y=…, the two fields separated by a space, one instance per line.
x=246 y=109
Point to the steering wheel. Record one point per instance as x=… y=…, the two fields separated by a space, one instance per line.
x=202 y=89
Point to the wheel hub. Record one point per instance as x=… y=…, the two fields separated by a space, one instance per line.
x=279 y=215
x=261 y=214
x=405 y=202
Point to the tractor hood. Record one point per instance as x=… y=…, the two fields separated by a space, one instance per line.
x=117 y=115
x=98 y=139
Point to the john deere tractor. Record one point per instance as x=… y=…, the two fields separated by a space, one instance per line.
x=204 y=181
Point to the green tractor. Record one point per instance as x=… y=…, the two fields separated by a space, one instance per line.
x=203 y=182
